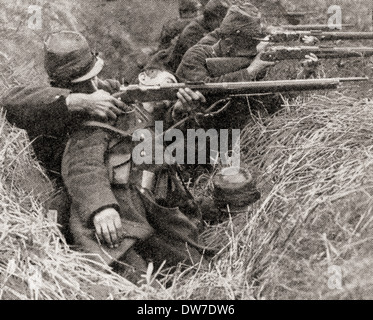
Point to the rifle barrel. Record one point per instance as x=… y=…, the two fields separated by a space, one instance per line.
x=299 y=13
x=321 y=35
x=324 y=52
x=292 y=14
x=354 y=79
x=313 y=27
x=135 y=93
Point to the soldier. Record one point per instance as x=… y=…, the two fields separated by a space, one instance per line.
x=240 y=35
x=213 y=14
x=171 y=30
x=50 y=114
x=124 y=211
x=188 y=10
x=240 y=32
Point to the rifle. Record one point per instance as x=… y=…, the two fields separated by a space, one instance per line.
x=220 y=66
x=298 y=14
x=285 y=36
x=314 y=27
x=292 y=14
x=138 y=93
x=292 y=17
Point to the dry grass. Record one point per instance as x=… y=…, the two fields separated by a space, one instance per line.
x=313 y=163
x=36 y=262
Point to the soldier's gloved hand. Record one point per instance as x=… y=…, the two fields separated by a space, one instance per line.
x=108 y=227
x=258 y=65
x=310 y=40
x=188 y=101
x=99 y=105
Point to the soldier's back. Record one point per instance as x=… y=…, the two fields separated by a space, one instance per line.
x=171 y=29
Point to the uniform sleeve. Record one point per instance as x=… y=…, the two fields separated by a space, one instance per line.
x=170 y=30
x=188 y=38
x=85 y=174
x=193 y=68
x=38 y=110
x=211 y=38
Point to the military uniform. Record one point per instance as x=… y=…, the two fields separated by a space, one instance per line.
x=193 y=67
x=99 y=173
x=214 y=13
x=43 y=113
x=190 y=36
x=211 y=38
x=97 y=169
x=240 y=23
x=170 y=30
x=188 y=10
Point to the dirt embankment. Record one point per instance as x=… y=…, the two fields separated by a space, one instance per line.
x=118 y=30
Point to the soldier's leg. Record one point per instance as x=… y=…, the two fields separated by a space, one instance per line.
x=131 y=266
x=158 y=249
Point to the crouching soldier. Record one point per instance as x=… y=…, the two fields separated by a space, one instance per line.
x=131 y=213
x=125 y=211
x=121 y=210
x=50 y=113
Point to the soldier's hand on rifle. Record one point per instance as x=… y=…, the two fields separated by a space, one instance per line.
x=108 y=227
x=258 y=65
x=99 y=105
x=309 y=67
x=111 y=86
x=188 y=101
x=310 y=40
x=311 y=62
x=263 y=45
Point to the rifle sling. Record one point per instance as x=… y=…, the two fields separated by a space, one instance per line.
x=129 y=133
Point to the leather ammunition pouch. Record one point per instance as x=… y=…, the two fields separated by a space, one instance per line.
x=119 y=168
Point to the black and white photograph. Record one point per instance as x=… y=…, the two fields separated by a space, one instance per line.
x=203 y=152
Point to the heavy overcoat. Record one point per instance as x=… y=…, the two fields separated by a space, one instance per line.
x=99 y=172
x=43 y=113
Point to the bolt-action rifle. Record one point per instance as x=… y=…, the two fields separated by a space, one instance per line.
x=220 y=66
x=139 y=93
x=293 y=18
x=315 y=27
x=286 y=36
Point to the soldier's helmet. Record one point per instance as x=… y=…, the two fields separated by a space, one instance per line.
x=217 y=8
x=69 y=58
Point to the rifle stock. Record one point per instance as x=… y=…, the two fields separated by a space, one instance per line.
x=220 y=66
x=136 y=93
